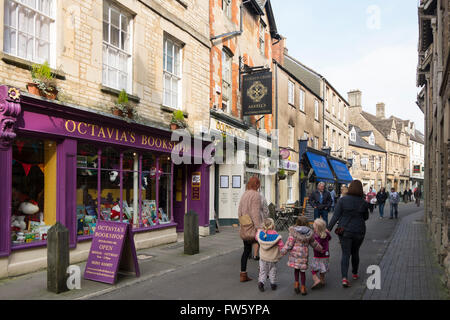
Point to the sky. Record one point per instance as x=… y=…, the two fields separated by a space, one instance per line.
x=370 y=45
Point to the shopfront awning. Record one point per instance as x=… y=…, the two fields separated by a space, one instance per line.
x=341 y=171
x=321 y=168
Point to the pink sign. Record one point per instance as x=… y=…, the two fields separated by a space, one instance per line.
x=284 y=154
x=112 y=250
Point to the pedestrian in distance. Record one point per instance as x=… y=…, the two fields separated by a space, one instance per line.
x=417 y=196
x=394 y=199
x=270 y=243
x=351 y=213
x=344 y=190
x=250 y=221
x=321 y=201
x=321 y=260
x=410 y=195
x=371 y=199
x=333 y=197
x=381 y=200
x=300 y=238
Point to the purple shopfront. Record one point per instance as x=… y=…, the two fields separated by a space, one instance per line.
x=68 y=164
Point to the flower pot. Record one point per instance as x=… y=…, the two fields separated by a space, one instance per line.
x=117 y=112
x=33 y=89
x=52 y=94
x=282 y=177
x=130 y=114
x=173 y=126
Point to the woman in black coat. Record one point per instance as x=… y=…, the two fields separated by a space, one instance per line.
x=351 y=213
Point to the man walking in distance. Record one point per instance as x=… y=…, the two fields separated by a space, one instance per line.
x=321 y=201
x=417 y=195
x=394 y=199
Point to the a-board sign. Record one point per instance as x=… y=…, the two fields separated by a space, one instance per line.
x=112 y=251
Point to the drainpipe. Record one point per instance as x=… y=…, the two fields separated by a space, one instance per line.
x=234 y=33
x=277 y=187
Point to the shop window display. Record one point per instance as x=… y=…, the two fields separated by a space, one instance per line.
x=33 y=206
x=165 y=190
x=129 y=189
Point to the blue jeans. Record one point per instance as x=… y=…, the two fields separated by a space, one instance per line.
x=321 y=213
x=394 y=209
x=381 y=208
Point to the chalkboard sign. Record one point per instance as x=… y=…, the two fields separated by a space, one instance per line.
x=112 y=250
x=308 y=210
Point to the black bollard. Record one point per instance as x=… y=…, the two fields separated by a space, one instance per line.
x=191 y=234
x=57 y=258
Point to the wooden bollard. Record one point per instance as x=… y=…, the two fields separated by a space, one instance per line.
x=57 y=258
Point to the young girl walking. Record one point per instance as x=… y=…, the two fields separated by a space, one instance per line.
x=300 y=238
x=320 y=261
x=270 y=243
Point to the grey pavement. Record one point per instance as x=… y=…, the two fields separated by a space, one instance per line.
x=166 y=273
x=409 y=268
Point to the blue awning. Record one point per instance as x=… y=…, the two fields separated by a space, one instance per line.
x=321 y=167
x=341 y=171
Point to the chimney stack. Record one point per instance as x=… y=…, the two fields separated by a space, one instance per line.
x=279 y=50
x=354 y=98
x=381 y=110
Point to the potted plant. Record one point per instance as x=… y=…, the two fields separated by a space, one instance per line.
x=281 y=174
x=177 y=120
x=44 y=82
x=121 y=106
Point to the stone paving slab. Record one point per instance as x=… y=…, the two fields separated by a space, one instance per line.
x=409 y=268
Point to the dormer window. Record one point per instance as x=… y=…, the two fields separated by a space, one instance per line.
x=372 y=139
x=353 y=135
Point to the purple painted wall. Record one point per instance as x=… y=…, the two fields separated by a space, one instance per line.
x=5 y=201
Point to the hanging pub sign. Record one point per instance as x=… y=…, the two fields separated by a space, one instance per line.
x=257 y=94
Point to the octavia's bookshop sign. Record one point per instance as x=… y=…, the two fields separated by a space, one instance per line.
x=112 y=251
x=257 y=94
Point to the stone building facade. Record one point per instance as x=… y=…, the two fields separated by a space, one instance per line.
x=241 y=34
x=369 y=159
x=300 y=116
x=158 y=51
x=390 y=134
x=433 y=73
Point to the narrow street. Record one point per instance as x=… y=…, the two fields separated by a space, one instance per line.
x=406 y=273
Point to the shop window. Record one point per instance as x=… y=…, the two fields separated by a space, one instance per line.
x=165 y=190
x=87 y=189
x=129 y=188
x=33 y=205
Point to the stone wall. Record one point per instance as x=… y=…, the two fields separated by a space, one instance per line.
x=79 y=54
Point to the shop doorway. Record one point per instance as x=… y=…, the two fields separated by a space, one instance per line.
x=179 y=196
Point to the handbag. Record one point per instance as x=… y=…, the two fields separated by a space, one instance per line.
x=247 y=231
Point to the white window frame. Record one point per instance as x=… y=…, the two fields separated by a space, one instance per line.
x=327 y=134
x=262 y=37
x=316 y=143
x=353 y=135
x=107 y=46
x=291 y=136
x=291 y=92
x=290 y=189
x=51 y=37
x=302 y=100
x=316 y=110
x=227 y=84
x=171 y=74
x=372 y=139
x=226 y=6
x=339 y=109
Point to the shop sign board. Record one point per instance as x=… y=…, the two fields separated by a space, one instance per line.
x=112 y=251
x=257 y=94
x=288 y=165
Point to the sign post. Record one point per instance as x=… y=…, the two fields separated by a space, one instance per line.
x=112 y=251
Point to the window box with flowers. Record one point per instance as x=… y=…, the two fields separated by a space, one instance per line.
x=44 y=81
x=178 y=121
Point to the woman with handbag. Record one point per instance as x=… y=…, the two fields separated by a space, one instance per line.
x=351 y=213
x=249 y=220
